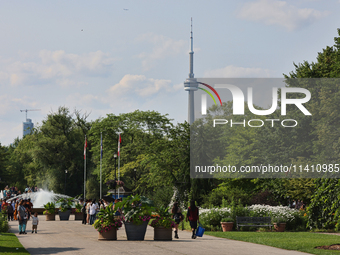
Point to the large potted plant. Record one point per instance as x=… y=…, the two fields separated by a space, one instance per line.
x=227 y=224
x=162 y=225
x=137 y=213
x=65 y=208
x=49 y=211
x=78 y=215
x=107 y=224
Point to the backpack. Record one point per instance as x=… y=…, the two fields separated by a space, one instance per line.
x=83 y=209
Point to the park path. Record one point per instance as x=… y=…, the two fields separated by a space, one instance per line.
x=72 y=237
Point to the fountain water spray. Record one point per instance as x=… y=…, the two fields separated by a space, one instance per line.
x=40 y=198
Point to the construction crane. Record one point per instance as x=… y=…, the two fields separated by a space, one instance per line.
x=29 y=110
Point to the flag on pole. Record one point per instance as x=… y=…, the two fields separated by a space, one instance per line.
x=85 y=146
x=119 y=142
x=101 y=147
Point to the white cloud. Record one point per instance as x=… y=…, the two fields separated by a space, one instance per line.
x=70 y=83
x=275 y=12
x=162 y=47
x=49 y=65
x=8 y=103
x=178 y=86
x=140 y=85
x=239 y=72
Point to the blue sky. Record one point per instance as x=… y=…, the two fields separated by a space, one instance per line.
x=99 y=58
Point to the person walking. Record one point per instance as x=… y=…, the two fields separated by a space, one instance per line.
x=193 y=217
x=177 y=216
x=29 y=207
x=10 y=212
x=16 y=211
x=88 y=204
x=93 y=211
x=22 y=215
x=83 y=210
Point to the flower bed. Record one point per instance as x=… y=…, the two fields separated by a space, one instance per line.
x=211 y=218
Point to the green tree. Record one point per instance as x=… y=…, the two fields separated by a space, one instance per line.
x=41 y=158
x=3 y=167
x=138 y=131
x=324 y=131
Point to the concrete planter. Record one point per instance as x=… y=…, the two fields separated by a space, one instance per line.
x=135 y=232
x=109 y=235
x=162 y=234
x=78 y=216
x=64 y=215
x=50 y=217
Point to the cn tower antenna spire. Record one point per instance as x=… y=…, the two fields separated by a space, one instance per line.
x=191 y=53
x=191 y=38
x=190 y=83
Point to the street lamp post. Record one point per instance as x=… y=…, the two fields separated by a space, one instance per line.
x=65 y=182
x=115 y=156
x=135 y=178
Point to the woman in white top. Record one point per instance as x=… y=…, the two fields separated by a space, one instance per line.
x=93 y=210
x=88 y=211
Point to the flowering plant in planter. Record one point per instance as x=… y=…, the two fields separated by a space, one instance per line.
x=136 y=209
x=163 y=222
x=163 y=219
x=112 y=184
x=77 y=208
x=65 y=204
x=49 y=208
x=106 y=220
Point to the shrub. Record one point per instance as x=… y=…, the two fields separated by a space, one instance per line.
x=238 y=210
x=211 y=218
x=295 y=219
x=227 y=219
x=228 y=194
x=4 y=227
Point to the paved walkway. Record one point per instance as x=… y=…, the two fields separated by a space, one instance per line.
x=71 y=237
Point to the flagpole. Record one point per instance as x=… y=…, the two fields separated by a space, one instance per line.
x=85 y=168
x=101 y=148
x=119 y=139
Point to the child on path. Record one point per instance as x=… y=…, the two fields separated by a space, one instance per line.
x=35 y=222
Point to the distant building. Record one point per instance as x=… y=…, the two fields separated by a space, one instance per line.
x=27 y=127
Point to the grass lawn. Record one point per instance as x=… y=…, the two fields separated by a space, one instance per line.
x=299 y=241
x=9 y=244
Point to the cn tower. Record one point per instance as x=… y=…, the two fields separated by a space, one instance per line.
x=190 y=83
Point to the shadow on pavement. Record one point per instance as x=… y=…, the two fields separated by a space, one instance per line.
x=51 y=250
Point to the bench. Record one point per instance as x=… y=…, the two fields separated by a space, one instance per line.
x=253 y=222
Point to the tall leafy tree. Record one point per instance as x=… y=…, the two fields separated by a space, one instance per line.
x=325 y=129
x=138 y=131
x=42 y=157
